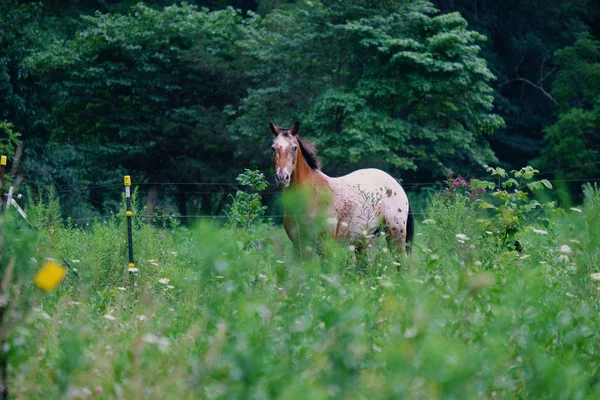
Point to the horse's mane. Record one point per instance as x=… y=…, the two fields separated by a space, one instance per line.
x=309 y=152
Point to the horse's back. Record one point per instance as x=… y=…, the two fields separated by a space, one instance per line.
x=372 y=180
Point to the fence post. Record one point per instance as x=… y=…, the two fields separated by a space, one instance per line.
x=2 y=166
x=127 y=181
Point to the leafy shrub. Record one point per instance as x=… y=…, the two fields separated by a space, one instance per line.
x=247 y=205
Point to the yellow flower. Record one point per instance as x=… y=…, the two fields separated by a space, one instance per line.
x=49 y=276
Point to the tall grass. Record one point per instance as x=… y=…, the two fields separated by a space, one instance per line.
x=209 y=316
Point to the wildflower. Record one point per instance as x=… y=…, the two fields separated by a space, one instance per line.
x=332 y=221
x=132 y=269
x=174 y=253
x=565 y=249
x=575 y=209
x=161 y=342
x=351 y=247
x=154 y=264
x=170 y=287
x=540 y=231
x=462 y=236
x=595 y=276
x=385 y=250
x=141 y=317
x=121 y=288
x=489 y=232
x=344 y=224
x=110 y=317
x=164 y=281
x=410 y=333
x=429 y=221
x=75 y=261
x=49 y=276
x=280 y=261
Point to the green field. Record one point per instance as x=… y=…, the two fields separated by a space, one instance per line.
x=224 y=312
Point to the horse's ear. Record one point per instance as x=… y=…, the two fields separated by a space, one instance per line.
x=296 y=128
x=274 y=129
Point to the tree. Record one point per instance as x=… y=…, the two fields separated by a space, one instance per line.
x=523 y=36
x=385 y=84
x=145 y=92
x=573 y=141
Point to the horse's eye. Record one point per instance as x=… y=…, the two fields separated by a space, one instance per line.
x=295 y=148
x=273 y=149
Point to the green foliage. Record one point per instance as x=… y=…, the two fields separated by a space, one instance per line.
x=511 y=201
x=523 y=36
x=378 y=84
x=196 y=316
x=9 y=139
x=572 y=141
x=247 y=205
x=172 y=70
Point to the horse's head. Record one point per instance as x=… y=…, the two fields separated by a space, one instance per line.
x=285 y=152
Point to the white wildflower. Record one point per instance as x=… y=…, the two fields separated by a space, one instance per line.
x=351 y=247
x=154 y=264
x=161 y=342
x=563 y=257
x=462 y=236
x=122 y=288
x=141 y=317
x=489 y=232
x=174 y=253
x=419 y=234
x=332 y=221
x=411 y=333
x=76 y=261
x=164 y=281
x=565 y=249
x=280 y=261
x=110 y=317
x=540 y=231
x=429 y=221
x=133 y=270
x=574 y=241
x=524 y=256
x=344 y=224
x=385 y=250
x=170 y=287
x=575 y=209
x=595 y=276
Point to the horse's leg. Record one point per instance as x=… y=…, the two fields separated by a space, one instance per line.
x=395 y=228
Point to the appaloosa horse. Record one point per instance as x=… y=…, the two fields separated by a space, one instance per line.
x=355 y=206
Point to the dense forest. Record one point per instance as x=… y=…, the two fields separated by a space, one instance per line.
x=179 y=95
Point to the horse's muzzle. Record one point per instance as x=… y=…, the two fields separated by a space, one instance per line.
x=282 y=179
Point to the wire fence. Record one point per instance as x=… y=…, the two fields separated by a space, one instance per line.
x=218 y=185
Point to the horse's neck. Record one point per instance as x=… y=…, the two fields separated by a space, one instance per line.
x=306 y=177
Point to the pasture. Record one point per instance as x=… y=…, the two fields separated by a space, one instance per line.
x=229 y=311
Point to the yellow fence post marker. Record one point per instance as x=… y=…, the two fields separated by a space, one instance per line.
x=127 y=182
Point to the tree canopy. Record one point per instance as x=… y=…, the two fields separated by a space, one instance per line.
x=184 y=92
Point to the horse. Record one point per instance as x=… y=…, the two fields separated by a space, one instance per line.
x=356 y=206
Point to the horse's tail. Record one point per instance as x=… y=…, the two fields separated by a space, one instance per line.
x=410 y=229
